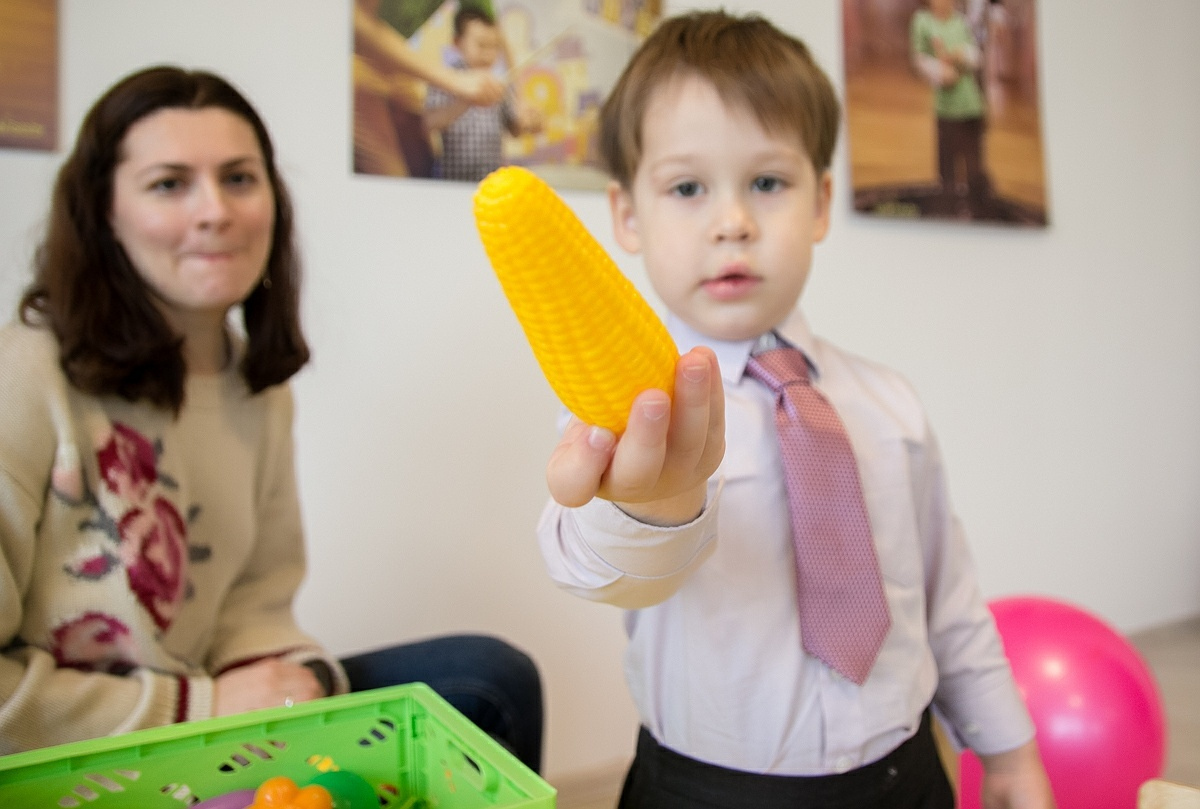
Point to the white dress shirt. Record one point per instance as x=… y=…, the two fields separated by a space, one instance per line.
x=714 y=662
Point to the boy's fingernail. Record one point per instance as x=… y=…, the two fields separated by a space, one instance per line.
x=655 y=410
x=600 y=438
x=695 y=373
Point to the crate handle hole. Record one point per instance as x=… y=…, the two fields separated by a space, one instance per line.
x=86 y=792
x=482 y=777
x=105 y=781
x=258 y=751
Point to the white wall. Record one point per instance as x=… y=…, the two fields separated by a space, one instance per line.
x=1061 y=366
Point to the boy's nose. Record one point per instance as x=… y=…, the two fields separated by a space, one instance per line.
x=735 y=223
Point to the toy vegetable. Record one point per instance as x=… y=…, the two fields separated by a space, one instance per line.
x=597 y=340
x=281 y=792
x=348 y=790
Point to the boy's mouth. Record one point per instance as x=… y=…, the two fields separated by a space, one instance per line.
x=730 y=284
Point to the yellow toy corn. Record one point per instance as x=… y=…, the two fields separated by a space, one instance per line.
x=597 y=340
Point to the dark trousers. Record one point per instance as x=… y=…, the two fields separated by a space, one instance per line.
x=962 y=141
x=491 y=683
x=910 y=777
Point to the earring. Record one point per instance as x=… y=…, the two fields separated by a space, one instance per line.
x=266 y=282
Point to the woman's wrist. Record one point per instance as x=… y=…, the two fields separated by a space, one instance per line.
x=323 y=673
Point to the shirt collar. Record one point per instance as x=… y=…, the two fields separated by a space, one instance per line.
x=732 y=355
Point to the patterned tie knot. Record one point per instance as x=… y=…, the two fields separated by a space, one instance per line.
x=778 y=368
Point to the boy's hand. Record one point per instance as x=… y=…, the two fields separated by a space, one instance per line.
x=659 y=469
x=1016 y=780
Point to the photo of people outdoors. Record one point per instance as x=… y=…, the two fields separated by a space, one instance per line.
x=454 y=89
x=29 y=74
x=942 y=109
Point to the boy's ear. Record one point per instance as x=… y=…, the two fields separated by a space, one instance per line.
x=824 y=205
x=624 y=219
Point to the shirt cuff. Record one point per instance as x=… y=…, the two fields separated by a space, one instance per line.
x=638 y=549
x=989 y=721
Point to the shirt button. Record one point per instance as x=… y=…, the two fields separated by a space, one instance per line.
x=972 y=728
x=843 y=764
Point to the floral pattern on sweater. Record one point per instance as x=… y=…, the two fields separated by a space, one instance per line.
x=94 y=642
x=151 y=547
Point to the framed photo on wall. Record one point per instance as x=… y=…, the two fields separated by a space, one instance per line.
x=29 y=74
x=550 y=64
x=942 y=110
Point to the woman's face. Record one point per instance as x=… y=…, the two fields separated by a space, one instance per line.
x=194 y=210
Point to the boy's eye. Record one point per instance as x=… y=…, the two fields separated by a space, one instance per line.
x=767 y=184
x=688 y=188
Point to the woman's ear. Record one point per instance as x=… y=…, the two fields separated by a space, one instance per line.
x=624 y=219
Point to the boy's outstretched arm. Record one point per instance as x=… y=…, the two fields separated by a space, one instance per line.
x=657 y=471
x=1016 y=780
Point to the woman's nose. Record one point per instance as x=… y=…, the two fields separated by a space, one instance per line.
x=212 y=203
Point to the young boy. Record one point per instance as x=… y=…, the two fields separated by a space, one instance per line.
x=719 y=137
x=472 y=136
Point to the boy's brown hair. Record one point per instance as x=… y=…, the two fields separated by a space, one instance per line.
x=752 y=65
x=469 y=14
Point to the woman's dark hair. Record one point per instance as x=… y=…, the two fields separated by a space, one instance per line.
x=112 y=338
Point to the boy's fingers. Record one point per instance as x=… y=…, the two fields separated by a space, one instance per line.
x=714 y=445
x=691 y=416
x=638 y=460
x=578 y=462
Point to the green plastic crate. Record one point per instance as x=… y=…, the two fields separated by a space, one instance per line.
x=406 y=741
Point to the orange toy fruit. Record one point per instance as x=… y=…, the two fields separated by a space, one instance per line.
x=281 y=792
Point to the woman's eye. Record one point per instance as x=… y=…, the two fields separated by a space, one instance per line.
x=167 y=184
x=242 y=178
x=687 y=189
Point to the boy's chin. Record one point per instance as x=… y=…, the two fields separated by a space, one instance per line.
x=734 y=332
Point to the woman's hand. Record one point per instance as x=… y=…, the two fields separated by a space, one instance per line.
x=266 y=684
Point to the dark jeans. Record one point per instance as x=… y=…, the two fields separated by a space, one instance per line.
x=491 y=683
x=910 y=777
x=963 y=141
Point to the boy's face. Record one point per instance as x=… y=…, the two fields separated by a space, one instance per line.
x=479 y=44
x=942 y=8
x=724 y=213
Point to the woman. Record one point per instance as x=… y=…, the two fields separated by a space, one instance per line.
x=150 y=537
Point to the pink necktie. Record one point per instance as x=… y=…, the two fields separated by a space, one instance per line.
x=843 y=612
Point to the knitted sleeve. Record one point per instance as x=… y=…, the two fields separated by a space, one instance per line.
x=42 y=702
x=256 y=619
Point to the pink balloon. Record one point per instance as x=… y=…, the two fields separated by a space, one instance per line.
x=1093 y=699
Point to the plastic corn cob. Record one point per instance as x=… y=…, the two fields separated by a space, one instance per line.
x=596 y=339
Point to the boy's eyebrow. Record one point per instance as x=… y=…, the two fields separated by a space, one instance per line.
x=687 y=157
